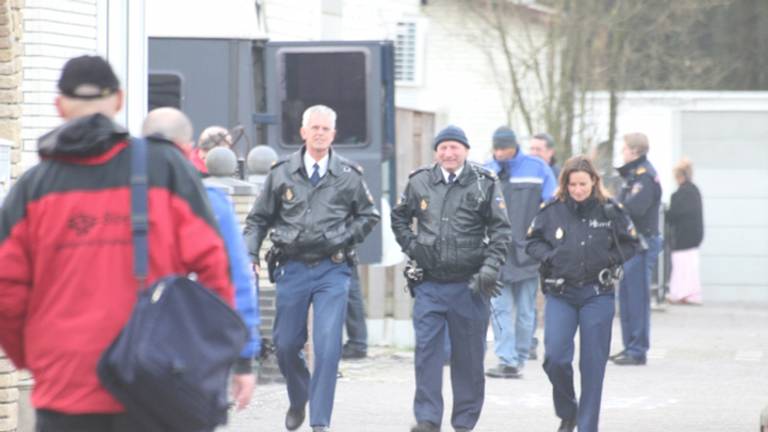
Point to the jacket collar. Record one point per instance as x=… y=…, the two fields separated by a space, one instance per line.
x=437 y=174
x=296 y=161
x=626 y=169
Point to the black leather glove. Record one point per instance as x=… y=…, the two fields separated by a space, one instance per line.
x=486 y=282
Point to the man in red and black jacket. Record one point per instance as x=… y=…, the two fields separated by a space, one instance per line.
x=66 y=255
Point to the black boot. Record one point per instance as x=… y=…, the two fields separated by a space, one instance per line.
x=567 y=426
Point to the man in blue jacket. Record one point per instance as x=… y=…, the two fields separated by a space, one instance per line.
x=526 y=182
x=173 y=125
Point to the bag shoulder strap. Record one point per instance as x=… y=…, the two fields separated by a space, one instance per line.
x=139 y=215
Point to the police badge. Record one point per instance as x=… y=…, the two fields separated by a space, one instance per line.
x=288 y=195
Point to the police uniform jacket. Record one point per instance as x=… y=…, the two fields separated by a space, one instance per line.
x=575 y=241
x=462 y=225
x=311 y=222
x=641 y=195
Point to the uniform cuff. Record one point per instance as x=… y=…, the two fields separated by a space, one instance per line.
x=243 y=366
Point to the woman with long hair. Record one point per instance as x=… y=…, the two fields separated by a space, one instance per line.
x=581 y=237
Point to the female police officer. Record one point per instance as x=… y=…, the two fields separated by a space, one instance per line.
x=581 y=238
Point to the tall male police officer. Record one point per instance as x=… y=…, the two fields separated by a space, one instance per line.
x=318 y=207
x=641 y=197
x=462 y=240
x=526 y=181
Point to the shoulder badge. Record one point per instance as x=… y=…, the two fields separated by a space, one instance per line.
x=501 y=203
x=559 y=233
x=423 y=205
x=288 y=194
x=641 y=170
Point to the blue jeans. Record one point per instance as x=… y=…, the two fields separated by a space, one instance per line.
x=325 y=286
x=592 y=313
x=635 y=300
x=357 y=331
x=451 y=307
x=513 y=336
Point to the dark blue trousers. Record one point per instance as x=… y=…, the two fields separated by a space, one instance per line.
x=357 y=330
x=635 y=300
x=592 y=313
x=466 y=315
x=324 y=286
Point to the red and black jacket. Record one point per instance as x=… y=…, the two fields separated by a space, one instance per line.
x=66 y=254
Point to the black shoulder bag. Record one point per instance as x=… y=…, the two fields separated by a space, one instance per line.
x=170 y=364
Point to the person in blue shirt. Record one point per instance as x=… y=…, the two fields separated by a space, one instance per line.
x=526 y=182
x=173 y=125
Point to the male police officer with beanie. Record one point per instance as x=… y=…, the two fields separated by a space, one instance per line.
x=317 y=207
x=526 y=182
x=460 y=245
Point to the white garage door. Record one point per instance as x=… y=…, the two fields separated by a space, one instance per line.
x=729 y=151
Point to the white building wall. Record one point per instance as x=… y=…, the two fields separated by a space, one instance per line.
x=53 y=33
x=463 y=82
x=307 y=20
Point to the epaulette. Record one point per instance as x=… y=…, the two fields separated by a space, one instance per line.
x=420 y=169
x=548 y=203
x=279 y=162
x=355 y=166
x=483 y=171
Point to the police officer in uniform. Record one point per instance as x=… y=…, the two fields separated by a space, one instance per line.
x=316 y=207
x=581 y=239
x=641 y=197
x=460 y=244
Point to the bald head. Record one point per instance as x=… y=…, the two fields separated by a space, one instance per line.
x=169 y=123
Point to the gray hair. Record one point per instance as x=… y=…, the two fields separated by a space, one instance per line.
x=169 y=123
x=318 y=109
x=637 y=142
x=214 y=136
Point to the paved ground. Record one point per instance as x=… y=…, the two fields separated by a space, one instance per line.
x=707 y=371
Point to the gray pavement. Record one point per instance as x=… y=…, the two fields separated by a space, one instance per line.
x=707 y=371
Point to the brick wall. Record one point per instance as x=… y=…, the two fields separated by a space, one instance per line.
x=11 y=50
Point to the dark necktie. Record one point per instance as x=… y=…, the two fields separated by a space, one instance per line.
x=451 y=178
x=315 y=177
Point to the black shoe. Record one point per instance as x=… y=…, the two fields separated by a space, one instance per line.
x=628 y=360
x=503 y=371
x=425 y=427
x=567 y=426
x=294 y=418
x=617 y=355
x=348 y=353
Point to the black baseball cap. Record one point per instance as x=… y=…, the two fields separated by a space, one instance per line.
x=88 y=77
